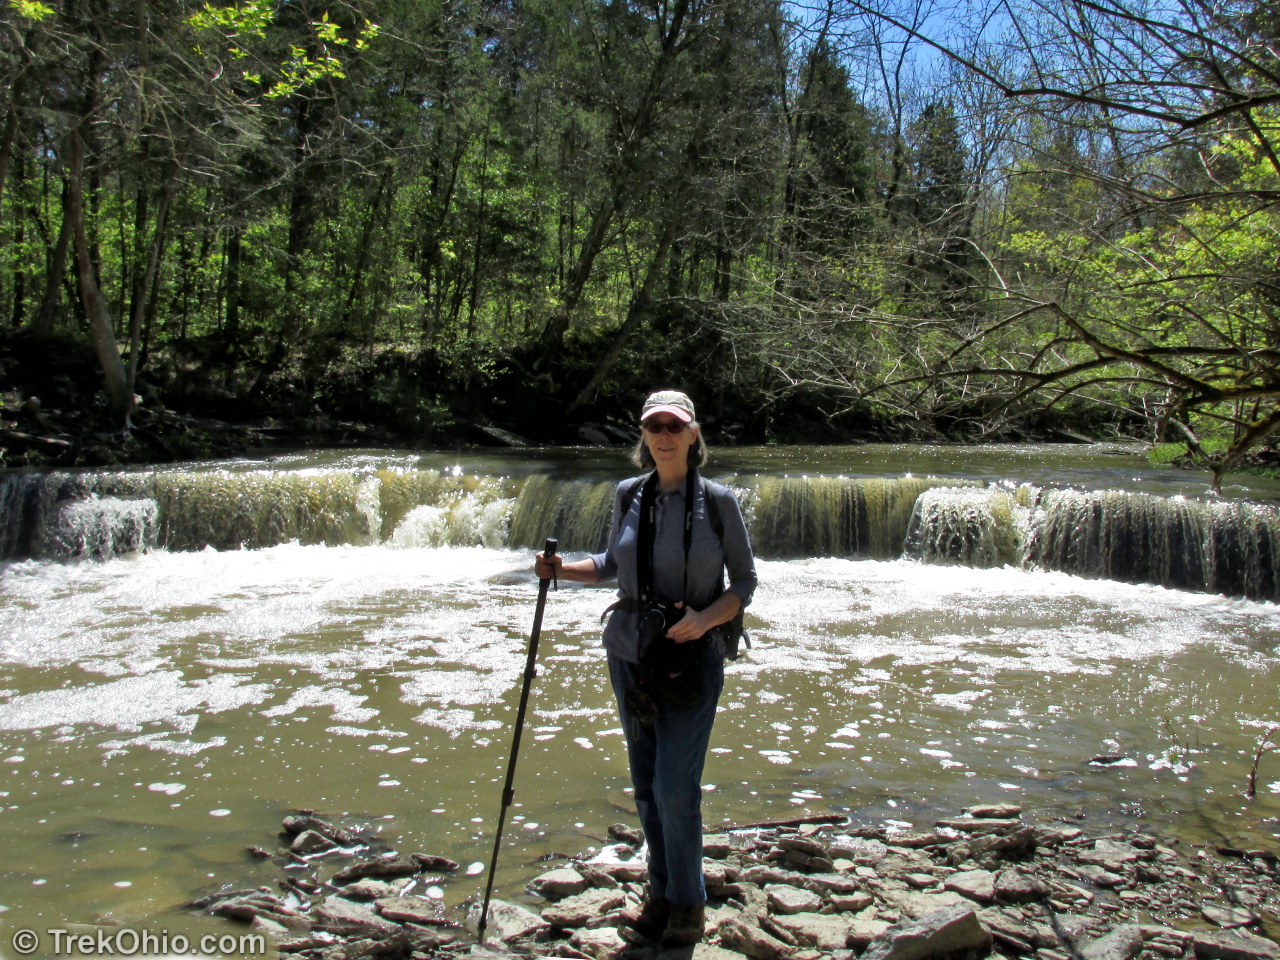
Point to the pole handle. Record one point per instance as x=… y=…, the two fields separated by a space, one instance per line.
x=548 y=551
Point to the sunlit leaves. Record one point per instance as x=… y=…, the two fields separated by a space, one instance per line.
x=236 y=31
x=31 y=10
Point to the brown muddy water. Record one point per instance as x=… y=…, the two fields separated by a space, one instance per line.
x=918 y=646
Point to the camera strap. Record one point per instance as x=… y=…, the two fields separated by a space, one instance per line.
x=645 y=534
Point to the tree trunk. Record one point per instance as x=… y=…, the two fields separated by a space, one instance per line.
x=231 y=330
x=95 y=305
x=635 y=313
x=6 y=142
x=143 y=278
x=621 y=185
x=41 y=326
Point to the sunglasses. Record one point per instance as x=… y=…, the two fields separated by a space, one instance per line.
x=673 y=427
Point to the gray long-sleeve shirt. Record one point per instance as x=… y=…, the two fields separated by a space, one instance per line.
x=708 y=557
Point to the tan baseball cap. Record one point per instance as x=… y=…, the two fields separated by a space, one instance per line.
x=668 y=401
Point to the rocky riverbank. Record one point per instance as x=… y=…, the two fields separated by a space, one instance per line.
x=988 y=882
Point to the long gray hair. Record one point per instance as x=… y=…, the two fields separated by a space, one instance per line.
x=642 y=458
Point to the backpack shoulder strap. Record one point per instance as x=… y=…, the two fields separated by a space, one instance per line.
x=713 y=510
x=629 y=494
x=708 y=499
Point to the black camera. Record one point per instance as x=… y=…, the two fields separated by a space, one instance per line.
x=671 y=670
x=656 y=619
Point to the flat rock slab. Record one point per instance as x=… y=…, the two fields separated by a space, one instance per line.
x=410 y=909
x=833 y=882
x=507 y=920
x=370 y=890
x=1055 y=836
x=276 y=931
x=1092 y=873
x=851 y=902
x=1109 y=853
x=1122 y=943
x=709 y=951
x=996 y=811
x=633 y=871
x=599 y=943
x=1234 y=945
x=821 y=930
x=577 y=911
x=801 y=845
x=980 y=824
x=1228 y=917
x=865 y=852
x=751 y=940
x=977 y=885
x=915 y=840
x=717 y=846
x=918 y=905
x=555 y=884
x=786 y=900
x=1010 y=932
x=394 y=867
x=862 y=930
x=340 y=915
x=1014 y=887
x=937 y=934
x=717 y=874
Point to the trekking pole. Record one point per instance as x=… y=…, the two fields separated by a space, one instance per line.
x=508 y=792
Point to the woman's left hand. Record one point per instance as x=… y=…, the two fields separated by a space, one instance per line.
x=689 y=627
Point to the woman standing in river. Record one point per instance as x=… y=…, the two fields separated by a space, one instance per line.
x=673 y=535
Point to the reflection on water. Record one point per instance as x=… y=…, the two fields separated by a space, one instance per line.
x=163 y=711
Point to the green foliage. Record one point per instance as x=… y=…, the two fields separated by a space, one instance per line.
x=236 y=31
x=590 y=198
x=32 y=10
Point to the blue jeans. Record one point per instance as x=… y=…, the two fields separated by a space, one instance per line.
x=666 y=771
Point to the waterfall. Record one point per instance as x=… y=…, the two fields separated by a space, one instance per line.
x=1222 y=547
x=231 y=511
x=96 y=516
x=38 y=517
x=834 y=516
x=1231 y=548
x=577 y=513
x=475 y=513
x=102 y=527
x=977 y=527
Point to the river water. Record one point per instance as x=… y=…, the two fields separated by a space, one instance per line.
x=933 y=627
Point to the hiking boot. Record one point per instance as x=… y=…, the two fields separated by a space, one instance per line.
x=686 y=925
x=652 y=921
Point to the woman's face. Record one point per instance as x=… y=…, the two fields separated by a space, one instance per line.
x=670 y=447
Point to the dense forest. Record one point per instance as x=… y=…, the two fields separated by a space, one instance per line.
x=429 y=218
